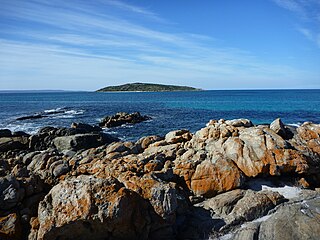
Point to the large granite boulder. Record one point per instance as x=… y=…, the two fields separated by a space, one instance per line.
x=121 y=118
x=256 y=150
x=90 y=208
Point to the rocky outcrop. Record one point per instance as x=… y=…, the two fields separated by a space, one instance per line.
x=80 y=183
x=92 y=208
x=294 y=221
x=121 y=118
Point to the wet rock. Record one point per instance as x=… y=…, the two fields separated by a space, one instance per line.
x=36 y=116
x=86 y=127
x=121 y=118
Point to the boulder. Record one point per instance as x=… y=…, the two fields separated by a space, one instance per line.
x=90 y=208
x=214 y=176
x=121 y=118
x=82 y=141
x=13 y=143
x=238 y=206
x=278 y=127
x=178 y=136
x=144 y=142
x=239 y=122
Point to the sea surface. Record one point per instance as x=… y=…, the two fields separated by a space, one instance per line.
x=169 y=110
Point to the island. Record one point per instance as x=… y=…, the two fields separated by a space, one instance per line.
x=146 y=87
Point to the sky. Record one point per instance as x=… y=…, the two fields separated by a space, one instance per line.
x=208 y=44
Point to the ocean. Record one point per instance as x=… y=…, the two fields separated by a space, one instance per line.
x=169 y=110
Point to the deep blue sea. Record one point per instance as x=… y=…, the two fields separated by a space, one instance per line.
x=169 y=110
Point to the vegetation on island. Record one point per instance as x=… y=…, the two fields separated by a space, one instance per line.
x=146 y=87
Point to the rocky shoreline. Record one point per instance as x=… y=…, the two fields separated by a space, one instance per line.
x=221 y=182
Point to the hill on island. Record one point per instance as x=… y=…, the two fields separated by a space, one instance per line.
x=146 y=87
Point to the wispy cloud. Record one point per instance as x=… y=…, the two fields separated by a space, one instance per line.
x=309 y=12
x=86 y=45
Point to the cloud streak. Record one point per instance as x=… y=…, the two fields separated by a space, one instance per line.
x=309 y=12
x=50 y=44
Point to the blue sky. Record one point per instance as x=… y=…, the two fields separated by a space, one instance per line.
x=210 y=44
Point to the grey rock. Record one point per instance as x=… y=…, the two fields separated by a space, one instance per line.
x=61 y=169
x=278 y=127
x=13 y=143
x=5 y=133
x=87 y=127
x=121 y=118
x=293 y=221
x=10 y=192
x=81 y=141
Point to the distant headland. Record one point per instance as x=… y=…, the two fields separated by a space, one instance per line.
x=146 y=87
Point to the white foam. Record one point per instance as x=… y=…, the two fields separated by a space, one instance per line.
x=25 y=127
x=286 y=191
x=52 y=110
x=295 y=124
x=68 y=114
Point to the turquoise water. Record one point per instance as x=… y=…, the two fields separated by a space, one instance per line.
x=169 y=110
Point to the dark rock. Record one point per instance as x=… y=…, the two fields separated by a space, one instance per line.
x=13 y=143
x=20 y=134
x=86 y=127
x=10 y=192
x=37 y=116
x=122 y=118
x=10 y=227
x=82 y=141
x=5 y=133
